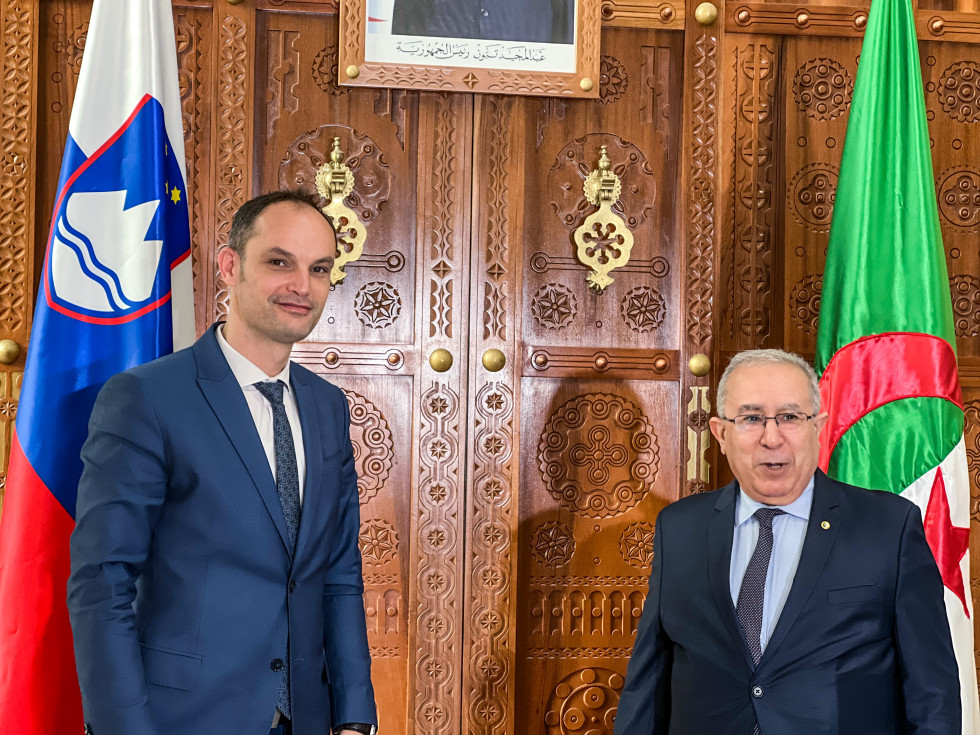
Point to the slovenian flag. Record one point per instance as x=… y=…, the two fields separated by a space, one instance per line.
x=886 y=348
x=115 y=292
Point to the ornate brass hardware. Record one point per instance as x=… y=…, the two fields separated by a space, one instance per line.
x=335 y=182
x=494 y=360
x=706 y=14
x=9 y=351
x=603 y=240
x=441 y=360
x=700 y=364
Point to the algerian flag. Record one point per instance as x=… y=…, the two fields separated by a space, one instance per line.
x=886 y=347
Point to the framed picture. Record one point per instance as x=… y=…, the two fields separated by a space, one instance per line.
x=533 y=47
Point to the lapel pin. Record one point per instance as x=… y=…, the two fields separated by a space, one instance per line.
x=824 y=525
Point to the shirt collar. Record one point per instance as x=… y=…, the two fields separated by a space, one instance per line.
x=245 y=371
x=746 y=506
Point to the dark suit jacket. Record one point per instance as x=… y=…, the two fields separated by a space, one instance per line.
x=182 y=590
x=862 y=646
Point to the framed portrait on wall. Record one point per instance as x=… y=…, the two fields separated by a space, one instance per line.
x=533 y=47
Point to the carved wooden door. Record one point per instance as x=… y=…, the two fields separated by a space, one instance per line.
x=515 y=432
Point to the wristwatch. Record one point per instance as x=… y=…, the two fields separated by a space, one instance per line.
x=357 y=727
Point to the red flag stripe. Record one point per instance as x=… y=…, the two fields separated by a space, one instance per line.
x=917 y=366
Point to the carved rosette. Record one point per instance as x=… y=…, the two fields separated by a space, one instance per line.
x=811 y=195
x=437 y=613
x=804 y=303
x=959 y=91
x=823 y=89
x=636 y=544
x=325 y=70
x=598 y=455
x=584 y=701
x=373 y=446
x=643 y=309
x=966 y=305
x=958 y=191
x=701 y=227
x=554 y=306
x=552 y=544
x=377 y=304
x=971 y=413
x=378 y=542
x=492 y=519
x=613 y=79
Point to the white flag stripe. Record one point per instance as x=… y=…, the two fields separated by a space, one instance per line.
x=957 y=481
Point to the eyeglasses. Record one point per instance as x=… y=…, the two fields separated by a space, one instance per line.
x=755 y=423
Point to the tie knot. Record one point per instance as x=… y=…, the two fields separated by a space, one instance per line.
x=272 y=390
x=765 y=515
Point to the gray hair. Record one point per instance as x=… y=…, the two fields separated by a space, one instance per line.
x=768 y=357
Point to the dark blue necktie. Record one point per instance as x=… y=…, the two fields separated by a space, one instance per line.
x=752 y=593
x=287 y=483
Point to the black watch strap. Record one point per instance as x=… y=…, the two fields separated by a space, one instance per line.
x=357 y=727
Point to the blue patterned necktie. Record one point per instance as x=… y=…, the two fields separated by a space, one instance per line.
x=287 y=483
x=752 y=593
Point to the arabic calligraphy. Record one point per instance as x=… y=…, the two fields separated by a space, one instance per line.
x=479 y=52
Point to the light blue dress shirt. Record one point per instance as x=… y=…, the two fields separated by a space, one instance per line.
x=788 y=532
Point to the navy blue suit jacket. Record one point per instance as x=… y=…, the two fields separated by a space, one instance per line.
x=182 y=589
x=862 y=646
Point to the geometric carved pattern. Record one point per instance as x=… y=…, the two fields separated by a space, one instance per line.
x=283 y=79
x=971 y=413
x=643 y=309
x=436 y=613
x=373 y=446
x=490 y=585
x=751 y=266
x=811 y=195
x=823 y=88
x=965 y=291
x=585 y=701
x=959 y=91
x=325 y=70
x=613 y=79
x=553 y=306
x=377 y=304
x=700 y=271
x=636 y=544
x=443 y=233
x=378 y=541
x=552 y=544
x=497 y=222
x=575 y=162
x=959 y=198
x=564 y=608
x=598 y=455
x=372 y=177
x=16 y=158
x=804 y=303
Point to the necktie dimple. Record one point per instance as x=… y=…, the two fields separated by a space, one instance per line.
x=287 y=484
x=751 y=595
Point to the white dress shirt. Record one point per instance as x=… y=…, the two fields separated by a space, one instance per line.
x=788 y=533
x=247 y=374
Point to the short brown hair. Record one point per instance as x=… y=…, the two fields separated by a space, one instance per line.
x=243 y=223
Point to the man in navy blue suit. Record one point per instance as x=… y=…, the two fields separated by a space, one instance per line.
x=787 y=603
x=216 y=579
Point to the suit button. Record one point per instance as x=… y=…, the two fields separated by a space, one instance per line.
x=292 y=585
x=277 y=664
x=757 y=691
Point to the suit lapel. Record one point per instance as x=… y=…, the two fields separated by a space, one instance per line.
x=816 y=548
x=226 y=399
x=309 y=419
x=721 y=529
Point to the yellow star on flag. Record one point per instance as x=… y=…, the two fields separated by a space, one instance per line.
x=175 y=195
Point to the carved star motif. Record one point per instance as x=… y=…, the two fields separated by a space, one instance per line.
x=493 y=445
x=438 y=405
x=554 y=307
x=437 y=537
x=441 y=269
x=495 y=402
x=437 y=493
x=949 y=543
